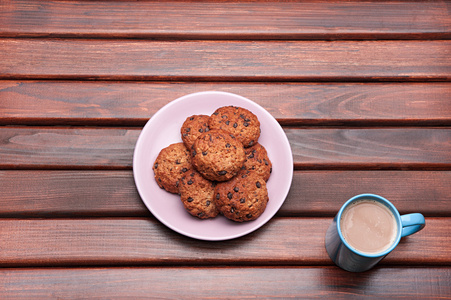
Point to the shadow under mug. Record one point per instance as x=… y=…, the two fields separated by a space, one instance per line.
x=353 y=260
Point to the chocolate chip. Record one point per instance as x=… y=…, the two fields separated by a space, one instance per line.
x=188 y=129
x=249 y=216
x=266 y=162
x=242 y=200
x=208 y=203
x=258 y=184
x=177 y=162
x=190 y=182
x=190 y=199
x=194 y=153
x=200 y=215
x=185 y=134
x=218 y=196
x=227 y=145
x=201 y=130
x=204 y=153
x=207 y=129
x=156 y=165
x=235 y=125
x=247 y=120
x=192 y=118
x=227 y=122
x=184 y=170
x=245 y=124
x=232 y=210
x=251 y=156
x=222 y=172
x=216 y=113
x=230 y=195
x=236 y=189
x=251 y=143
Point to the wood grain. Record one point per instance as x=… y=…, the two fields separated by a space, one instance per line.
x=70 y=194
x=312 y=193
x=129 y=241
x=107 y=148
x=227 y=19
x=133 y=103
x=67 y=147
x=387 y=148
x=321 y=193
x=221 y=283
x=226 y=60
x=361 y=88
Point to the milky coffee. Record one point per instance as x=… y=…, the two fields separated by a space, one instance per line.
x=368 y=226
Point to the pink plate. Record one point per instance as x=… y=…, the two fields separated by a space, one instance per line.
x=163 y=129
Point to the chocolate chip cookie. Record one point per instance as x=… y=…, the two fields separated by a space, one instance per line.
x=170 y=165
x=257 y=160
x=217 y=155
x=242 y=123
x=243 y=198
x=192 y=128
x=197 y=195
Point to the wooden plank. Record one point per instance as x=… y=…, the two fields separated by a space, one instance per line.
x=220 y=283
x=67 y=147
x=386 y=148
x=133 y=103
x=226 y=60
x=377 y=148
x=312 y=194
x=321 y=193
x=128 y=241
x=69 y=193
x=230 y=20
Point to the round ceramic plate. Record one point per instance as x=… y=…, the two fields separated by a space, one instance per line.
x=163 y=129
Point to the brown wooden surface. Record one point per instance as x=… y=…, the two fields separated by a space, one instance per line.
x=313 y=148
x=226 y=60
x=227 y=19
x=313 y=193
x=187 y=282
x=361 y=88
x=132 y=241
x=133 y=103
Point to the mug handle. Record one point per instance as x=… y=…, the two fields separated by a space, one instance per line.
x=412 y=223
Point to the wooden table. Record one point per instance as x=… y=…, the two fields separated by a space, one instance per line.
x=362 y=90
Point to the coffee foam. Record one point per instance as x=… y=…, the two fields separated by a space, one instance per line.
x=368 y=226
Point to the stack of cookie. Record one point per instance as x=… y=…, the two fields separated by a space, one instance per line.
x=220 y=167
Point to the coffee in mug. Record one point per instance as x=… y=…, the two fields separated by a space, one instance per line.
x=368 y=226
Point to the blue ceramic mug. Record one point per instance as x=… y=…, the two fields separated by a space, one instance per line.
x=351 y=259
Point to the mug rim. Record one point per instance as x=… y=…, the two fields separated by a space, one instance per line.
x=383 y=201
